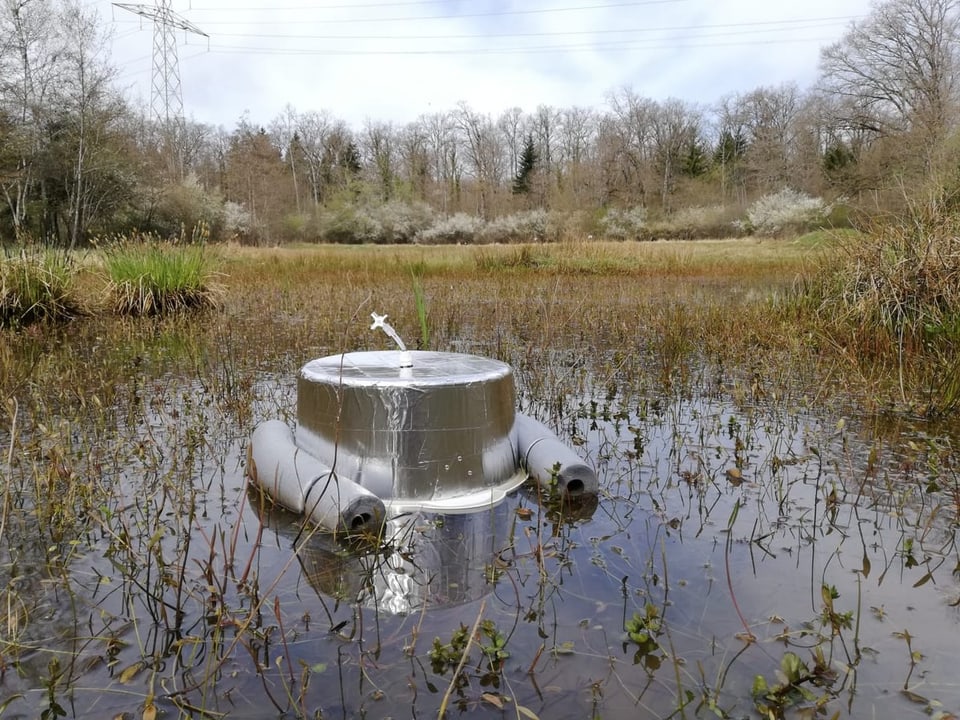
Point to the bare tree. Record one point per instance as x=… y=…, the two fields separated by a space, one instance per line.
x=482 y=151
x=444 y=153
x=28 y=72
x=897 y=70
x=88 y=106
x=412 y=144
x=770 y=118
x=380 y=152
x=511 y=124
x=284 y=131
x=324 y=141
x=578 y=129
x=633 y=124
x=545 y=129
x=675 y=127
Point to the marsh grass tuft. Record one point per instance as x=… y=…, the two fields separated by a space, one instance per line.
x=36 y=286
x=155 y=278
x=894 y=298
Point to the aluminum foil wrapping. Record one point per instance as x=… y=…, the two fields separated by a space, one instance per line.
x=436 y=435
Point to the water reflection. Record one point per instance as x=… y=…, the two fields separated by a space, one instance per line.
x=422 y=560
x=727 y=515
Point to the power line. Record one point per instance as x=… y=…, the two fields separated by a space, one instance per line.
x=653 y=44
x=745 y=29
x=457 y=16
x=355 y=6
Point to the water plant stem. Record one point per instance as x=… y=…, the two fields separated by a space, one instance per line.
x=463 y=661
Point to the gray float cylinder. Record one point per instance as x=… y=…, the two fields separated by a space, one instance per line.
x=295 y=479
x=549 y=461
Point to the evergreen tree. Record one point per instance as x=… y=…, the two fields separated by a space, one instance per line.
x=528 y=162
x=695 y=160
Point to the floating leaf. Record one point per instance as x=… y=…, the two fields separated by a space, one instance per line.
x=150 y=711
x=131 y=672
x=735 y=477
x=924 y=580
x=524 y=513
x=914 y=697
x=493 y=700
x=866 y=565
x=527 y=712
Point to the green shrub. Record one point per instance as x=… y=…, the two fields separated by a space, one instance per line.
x=36 y=286
x=185 y=204
x=147 y=276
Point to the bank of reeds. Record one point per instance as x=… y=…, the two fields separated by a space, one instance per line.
x=149 y=277
x=892 y=299
x=36 y=286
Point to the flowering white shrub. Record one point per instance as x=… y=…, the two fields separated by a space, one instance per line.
x=236 y=219
x=400 y=222
x=348 y=224
x=458 y=228
x=619 y=224
x=771 y=214
x=527 y=226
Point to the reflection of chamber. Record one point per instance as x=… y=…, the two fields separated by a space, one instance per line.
x=435 y=560
x=563 y=508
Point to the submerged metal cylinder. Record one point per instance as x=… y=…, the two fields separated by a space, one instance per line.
x=434 y=435
x=295 y=479
x=550 y=462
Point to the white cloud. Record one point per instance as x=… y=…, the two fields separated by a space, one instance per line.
x=396 y=60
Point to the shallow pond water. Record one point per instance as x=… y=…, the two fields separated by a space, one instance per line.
x=741 y=532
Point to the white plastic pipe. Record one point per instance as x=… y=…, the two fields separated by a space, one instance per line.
x=295 y=479
x=549 y=461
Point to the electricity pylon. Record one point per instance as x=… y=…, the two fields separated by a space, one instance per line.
x=166 y=97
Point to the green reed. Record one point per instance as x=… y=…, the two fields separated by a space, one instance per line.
x=35 y=286
x=150 y=277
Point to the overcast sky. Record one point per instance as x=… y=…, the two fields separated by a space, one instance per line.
x=394 y=60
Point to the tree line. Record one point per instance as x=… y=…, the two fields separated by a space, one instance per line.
x=78 y=161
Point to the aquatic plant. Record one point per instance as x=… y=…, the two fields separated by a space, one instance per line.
x=420 y=303
x=147 y=276
x=37 y=285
